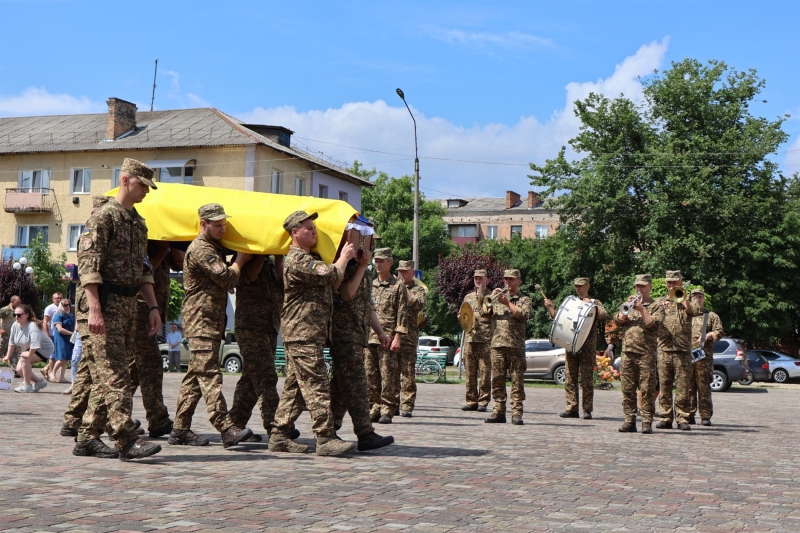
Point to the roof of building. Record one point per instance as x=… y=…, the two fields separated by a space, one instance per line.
x=179 y=128
x=493 y=206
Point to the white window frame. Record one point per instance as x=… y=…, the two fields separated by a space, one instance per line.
x=181 y=180
x=515 y=232
x=541 y=231
x=73 y=181
x=460 y=229
x=22 y=236
x=77 y=229
x=44 y=179
x=343 y=196
x=275 y=183
x=299 y=187
x=323 y=191
x=115 y=172
x=491 y=232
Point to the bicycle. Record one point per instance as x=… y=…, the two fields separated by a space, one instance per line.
x=429 y=370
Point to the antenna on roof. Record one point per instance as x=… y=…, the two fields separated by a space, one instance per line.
x=152 y=98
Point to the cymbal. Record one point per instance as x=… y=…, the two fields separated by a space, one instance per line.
x=466 y=317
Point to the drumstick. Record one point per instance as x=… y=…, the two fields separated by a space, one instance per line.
x=539 y=288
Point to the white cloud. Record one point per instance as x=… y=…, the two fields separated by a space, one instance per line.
x=197 y=101
x=510 y=40
x=449 y=153
x=35 y=101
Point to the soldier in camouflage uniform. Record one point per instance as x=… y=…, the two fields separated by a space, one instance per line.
x=477 y=349
x=415 y=295
x=113 y=267
x=581 y=363
x=7 y=313
x=702 y=370
x=639 y=332
x=259 y=299
x=510 y=313
x=207 y=280
x=674 y=356
x=352 y=313
x=306 y=320
x=383 y=365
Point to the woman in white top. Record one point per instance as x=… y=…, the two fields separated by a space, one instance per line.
x=33 y=344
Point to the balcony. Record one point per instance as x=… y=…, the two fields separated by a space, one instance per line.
x=29 y=200
x=12 y=252
x=461 y=241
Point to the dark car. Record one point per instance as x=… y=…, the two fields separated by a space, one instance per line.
x=757 y=368
x=729 y=363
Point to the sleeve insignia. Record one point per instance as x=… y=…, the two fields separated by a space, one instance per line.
x=211 y=259
x=216 y=267
x=322 y=269
x=86 y=243
x=313 y=265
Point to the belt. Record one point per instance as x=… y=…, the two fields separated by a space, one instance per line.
x=123 y=290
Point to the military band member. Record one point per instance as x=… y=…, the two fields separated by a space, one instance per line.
x=306 y=324
x=674 y=356
x=382 y=365
x=477 y=348
x=639 y=332
x=702 y=370
x=415 y=294
x=581 y=363
x=207 y=279
x=511 y=311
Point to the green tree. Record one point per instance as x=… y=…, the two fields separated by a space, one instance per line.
x=176 y=294
x=684 y=181
x=48 y=273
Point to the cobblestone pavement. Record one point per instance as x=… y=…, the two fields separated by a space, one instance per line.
x=447 y=472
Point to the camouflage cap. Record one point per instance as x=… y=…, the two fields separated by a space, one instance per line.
x=297 y=217
x=140 y=170
x=643 y=279
x=673 y=275
x=581 y=281
x=480 y=272
x=698 y=290
x=511 y=273
x=212 y=212
x=382 y=253
x=406 y=265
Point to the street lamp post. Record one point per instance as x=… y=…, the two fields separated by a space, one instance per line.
x=415 y=243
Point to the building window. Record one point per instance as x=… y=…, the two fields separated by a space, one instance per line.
x=275 y=187
x=73 y=233
x=491 y=232
x=541 y=231
x=463 y=231
x=25 y=234
x=184 y=175
x=323 y=191
x=300 y=187
x=342 y=196
x=516 y=230
x=115 y=177
x=81 y=181
x=34 y=179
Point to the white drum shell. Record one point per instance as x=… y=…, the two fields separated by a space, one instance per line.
x=573 y=323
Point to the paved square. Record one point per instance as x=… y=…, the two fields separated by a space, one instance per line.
x=447 y=471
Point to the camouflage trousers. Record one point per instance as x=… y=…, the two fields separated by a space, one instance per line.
x=147 y=371
x=306 y=386
x=349 y=387
x=108 y=357
x=259 y=381
x=202 y=379
x=372 y=366
x=638 y=371
x=82 y=385
x=390 y=382
x=674 y=369
x=581 y=363
x=512 y=361
x=408 y=375
x=700 y=388
x=478 y=365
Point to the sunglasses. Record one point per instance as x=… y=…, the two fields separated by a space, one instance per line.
x=19 y=314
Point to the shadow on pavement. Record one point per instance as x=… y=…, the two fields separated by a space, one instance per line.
x=427 y=452
x=746 y=391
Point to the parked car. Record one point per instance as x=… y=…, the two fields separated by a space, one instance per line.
x=545 y=360
x=437 y=344
x=229 y=357
x=757 y=369
x=729 y=363
x=782 y=366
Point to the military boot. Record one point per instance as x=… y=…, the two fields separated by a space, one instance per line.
x=705 y=421
x=375 y=416
x=373 y=441
x=469 y=407
x=628 y=427
x=333 y=446
x=234 y=435
x=186 y=437
x=67 y=431
x=496 y=418
x=385 y=419
x=691 y=420
x=683 y=426
x=481 y=408
x=94 y=448
x=664 y=424
x=281 y=443
x=516 y=420
x=138 y=449
x=647 y=428
x=160 y=432
x=569 y=414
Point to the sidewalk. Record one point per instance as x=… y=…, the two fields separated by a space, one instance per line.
x=447 y=472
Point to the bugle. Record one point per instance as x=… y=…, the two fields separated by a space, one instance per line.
x=626 y=307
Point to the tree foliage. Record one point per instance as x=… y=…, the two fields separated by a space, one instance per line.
x=684 y=181
x=176 y=294
x=455 y=276
x=16 y=282
x=48 y=272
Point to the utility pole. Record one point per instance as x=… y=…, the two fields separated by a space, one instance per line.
x=415 y=242
x=152 y=98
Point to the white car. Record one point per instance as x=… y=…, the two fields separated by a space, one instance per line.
x=439 y=345
x=782 y=366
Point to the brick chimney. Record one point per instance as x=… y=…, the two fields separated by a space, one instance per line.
x=533 y=199
x=121 y=118
x=512 y=199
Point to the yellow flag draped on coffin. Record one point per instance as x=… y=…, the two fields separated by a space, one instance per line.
x=256 y=223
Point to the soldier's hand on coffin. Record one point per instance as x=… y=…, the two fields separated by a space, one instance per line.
x=366 y=257
x=349 y=251
x=242 y=258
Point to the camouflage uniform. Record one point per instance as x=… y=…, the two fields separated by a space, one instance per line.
x=582 y=363
x=702 y=371
x=207 y=280
x=675 y=359
x=638 y=367
x=408 y=349
x=477 y=354
x=383 y=366
x=258 y=321
x=508 y=353
x=147 y=368
x=350 y=334
x=5 y=313
x=113 y=249
x=306 y=323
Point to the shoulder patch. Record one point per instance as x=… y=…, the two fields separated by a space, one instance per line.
x=86 y=243
x=211 y=259
x=313 y=265
x=322 y=269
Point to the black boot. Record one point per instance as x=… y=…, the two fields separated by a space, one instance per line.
x=373 y=441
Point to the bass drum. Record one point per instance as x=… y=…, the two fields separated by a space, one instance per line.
x=573 y=323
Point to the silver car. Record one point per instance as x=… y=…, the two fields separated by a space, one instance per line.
x=437 y=345
x=545 y=360
x=782 y=366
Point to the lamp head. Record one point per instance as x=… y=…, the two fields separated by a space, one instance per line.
x=16 y=265
x=29 y=270
x=23 y=261
x=400 y=93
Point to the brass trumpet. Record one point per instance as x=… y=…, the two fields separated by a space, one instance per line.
x=489 y=299
x=678 y=295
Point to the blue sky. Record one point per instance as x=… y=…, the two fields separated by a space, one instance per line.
x=491 y=83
